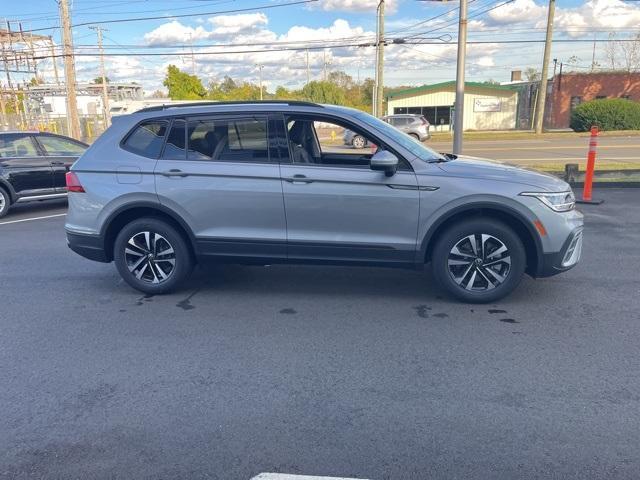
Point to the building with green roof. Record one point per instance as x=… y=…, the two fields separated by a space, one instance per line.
x=487 y=106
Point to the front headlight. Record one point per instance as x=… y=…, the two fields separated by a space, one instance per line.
x=559 y=202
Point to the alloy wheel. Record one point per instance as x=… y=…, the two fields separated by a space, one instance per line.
x=358 y=142
x=3 y=202
x=479 y=262
x=150 y=257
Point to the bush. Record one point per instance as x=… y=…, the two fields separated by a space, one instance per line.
x=607 y=114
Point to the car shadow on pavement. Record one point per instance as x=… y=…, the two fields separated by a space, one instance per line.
x=320 y=280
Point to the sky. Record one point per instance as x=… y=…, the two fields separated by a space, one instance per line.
x=342 y=27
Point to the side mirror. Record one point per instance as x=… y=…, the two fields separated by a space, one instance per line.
x=384 y=161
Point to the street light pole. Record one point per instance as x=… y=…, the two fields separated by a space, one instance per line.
x=260 y=67
x=458 y=121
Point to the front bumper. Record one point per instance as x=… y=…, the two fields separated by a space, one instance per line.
x=567 y=258
x=88 y=246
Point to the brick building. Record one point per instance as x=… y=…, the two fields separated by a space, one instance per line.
x=570 y=89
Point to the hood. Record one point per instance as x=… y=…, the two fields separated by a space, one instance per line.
x=472 y=167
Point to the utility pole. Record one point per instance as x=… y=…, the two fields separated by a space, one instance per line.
x=54 y=60
x=260 y=67
x=593 y=56
x=458 y=119
x=69 y=71
x=542 y=96
x=105 y=94
x=308 y=75
x=193 y=57
x=380 y=61
x=324 y=61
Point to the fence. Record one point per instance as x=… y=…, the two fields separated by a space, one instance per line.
x=91 y=126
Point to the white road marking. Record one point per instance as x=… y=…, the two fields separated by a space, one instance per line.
x=34 y=218
x=546 y=159
x=286 y=476
x=557 y=147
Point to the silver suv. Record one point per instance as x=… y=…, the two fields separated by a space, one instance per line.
x=262 y=183
x=415 y=125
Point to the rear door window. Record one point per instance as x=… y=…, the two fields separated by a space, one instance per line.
x=175 y=149
x=56 y=146
x=147 y=138
x=228 y=140
x=14 y=146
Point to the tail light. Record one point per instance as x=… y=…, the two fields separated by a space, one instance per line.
x=424 y=121
x=73 y=183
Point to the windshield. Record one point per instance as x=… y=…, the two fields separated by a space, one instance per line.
x=418 y=149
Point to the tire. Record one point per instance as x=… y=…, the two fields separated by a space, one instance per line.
x=152 y=256
x=5 y=202
x=358 y=142
x=415 y=136
x=456 y=267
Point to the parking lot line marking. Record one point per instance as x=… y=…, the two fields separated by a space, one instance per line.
x=34 y=218
x=286 y=476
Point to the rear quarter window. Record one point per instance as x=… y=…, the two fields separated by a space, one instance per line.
x=146 y=138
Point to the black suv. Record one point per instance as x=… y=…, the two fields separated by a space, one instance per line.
x=33 y=166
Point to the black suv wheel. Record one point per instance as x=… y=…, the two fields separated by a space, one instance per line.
x=152 y=256
x=479 y=260
x=5 y=202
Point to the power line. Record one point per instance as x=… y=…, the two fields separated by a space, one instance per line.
x=415 y=41
x=160 y=17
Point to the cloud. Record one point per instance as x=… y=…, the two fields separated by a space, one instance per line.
x=229 y=24
x=516 y=12
x=223 y=26
x=357 y=5
x=598 y=14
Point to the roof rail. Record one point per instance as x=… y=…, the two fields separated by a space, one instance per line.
x=157 y=108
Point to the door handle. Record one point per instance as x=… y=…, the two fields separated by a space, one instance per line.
x=174 y=172
x=298 y=179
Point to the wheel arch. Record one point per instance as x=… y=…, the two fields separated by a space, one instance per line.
x=511 y=217
x=126 y=214
x=6 y=186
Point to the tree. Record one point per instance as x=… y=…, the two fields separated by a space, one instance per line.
x=324 y=92
x=340 y=79
x=36 y=81
x=228 y=84
x=183 y=86
x=623 y=55
x=158 y=94
x=99 y=80
x=531 y=74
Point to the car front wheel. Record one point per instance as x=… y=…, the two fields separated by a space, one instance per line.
x=479 y=261
x=358 y=142
x=4 y=202
x=152 y=256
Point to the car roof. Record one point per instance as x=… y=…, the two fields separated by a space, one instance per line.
x=203 y=108
x=13 y=132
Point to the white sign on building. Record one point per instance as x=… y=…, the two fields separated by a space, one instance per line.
x=487 y=104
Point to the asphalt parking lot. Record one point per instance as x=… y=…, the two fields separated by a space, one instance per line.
x=351 y=372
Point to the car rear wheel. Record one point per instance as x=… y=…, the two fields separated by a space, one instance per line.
x=358 y=142
x=152 y=256
x=479 y=261
x=5 y=201
x=415 y=136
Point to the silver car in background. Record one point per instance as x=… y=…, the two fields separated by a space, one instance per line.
x=263 y=182
x=416 y=126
